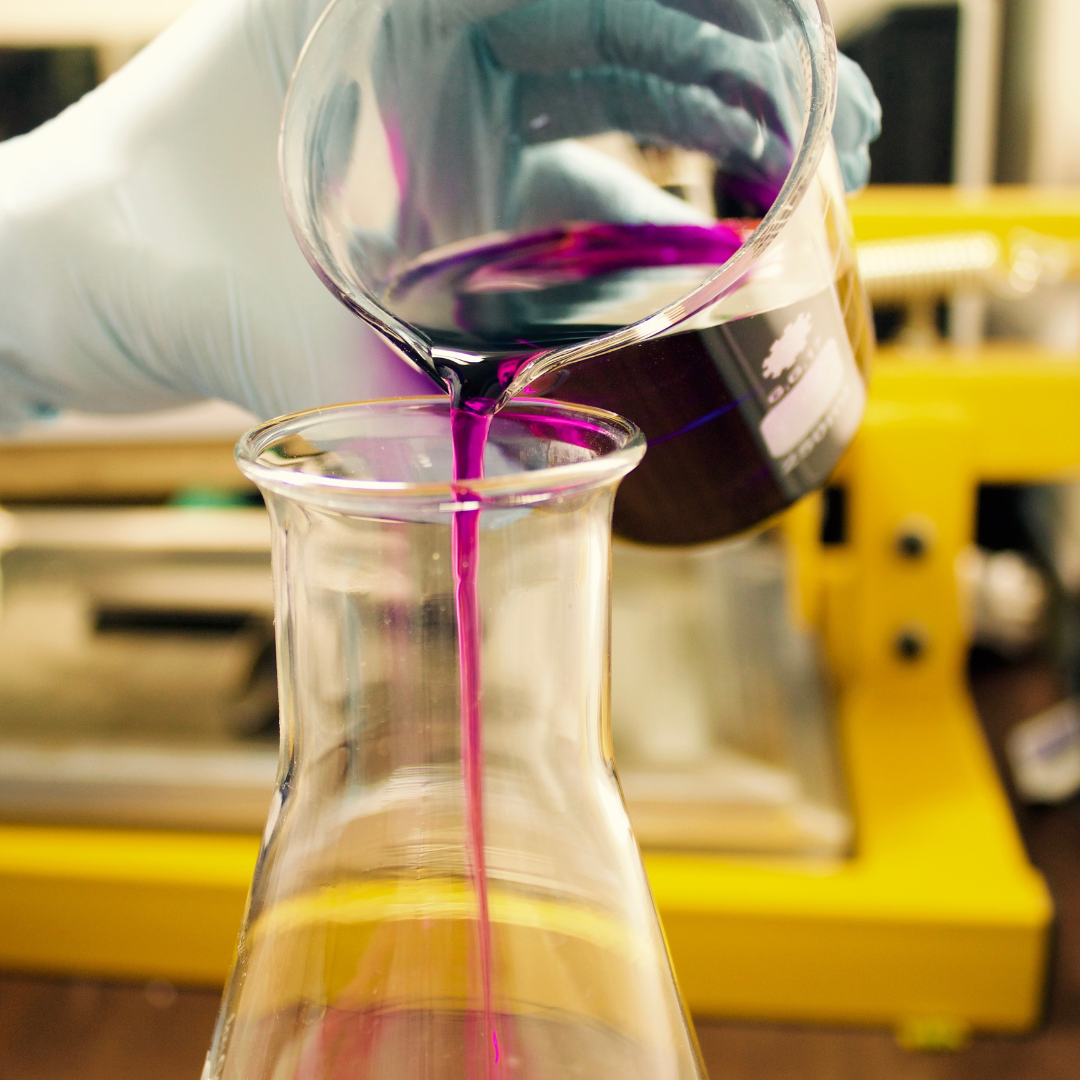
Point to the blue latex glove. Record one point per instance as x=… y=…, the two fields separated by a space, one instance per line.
x=480 y=106
x=145 y=259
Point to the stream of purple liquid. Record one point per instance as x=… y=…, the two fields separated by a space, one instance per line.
x=469 y=432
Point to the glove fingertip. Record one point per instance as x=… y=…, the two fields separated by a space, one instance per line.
x=854 y=169
x=855 y=94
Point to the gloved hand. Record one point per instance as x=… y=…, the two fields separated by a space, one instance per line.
x=145 y=259
x=478 y=105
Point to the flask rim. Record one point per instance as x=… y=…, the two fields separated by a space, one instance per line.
x=620 y=446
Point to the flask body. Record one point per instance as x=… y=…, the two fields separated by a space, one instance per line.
x=362 y=948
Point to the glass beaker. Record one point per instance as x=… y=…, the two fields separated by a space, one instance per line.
x=364 y=953
x=496 y=188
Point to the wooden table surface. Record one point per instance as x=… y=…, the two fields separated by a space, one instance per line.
x=54 y=1029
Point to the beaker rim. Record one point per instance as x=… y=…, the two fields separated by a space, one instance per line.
x=618 y=443
x=809 y=18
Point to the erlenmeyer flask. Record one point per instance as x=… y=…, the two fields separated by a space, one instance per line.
x=480 y=181
x=363 y=953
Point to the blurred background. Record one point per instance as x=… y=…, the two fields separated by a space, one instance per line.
x=137 y=677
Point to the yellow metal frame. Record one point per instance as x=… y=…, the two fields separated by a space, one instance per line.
x=938 y=919
x=885 y=212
